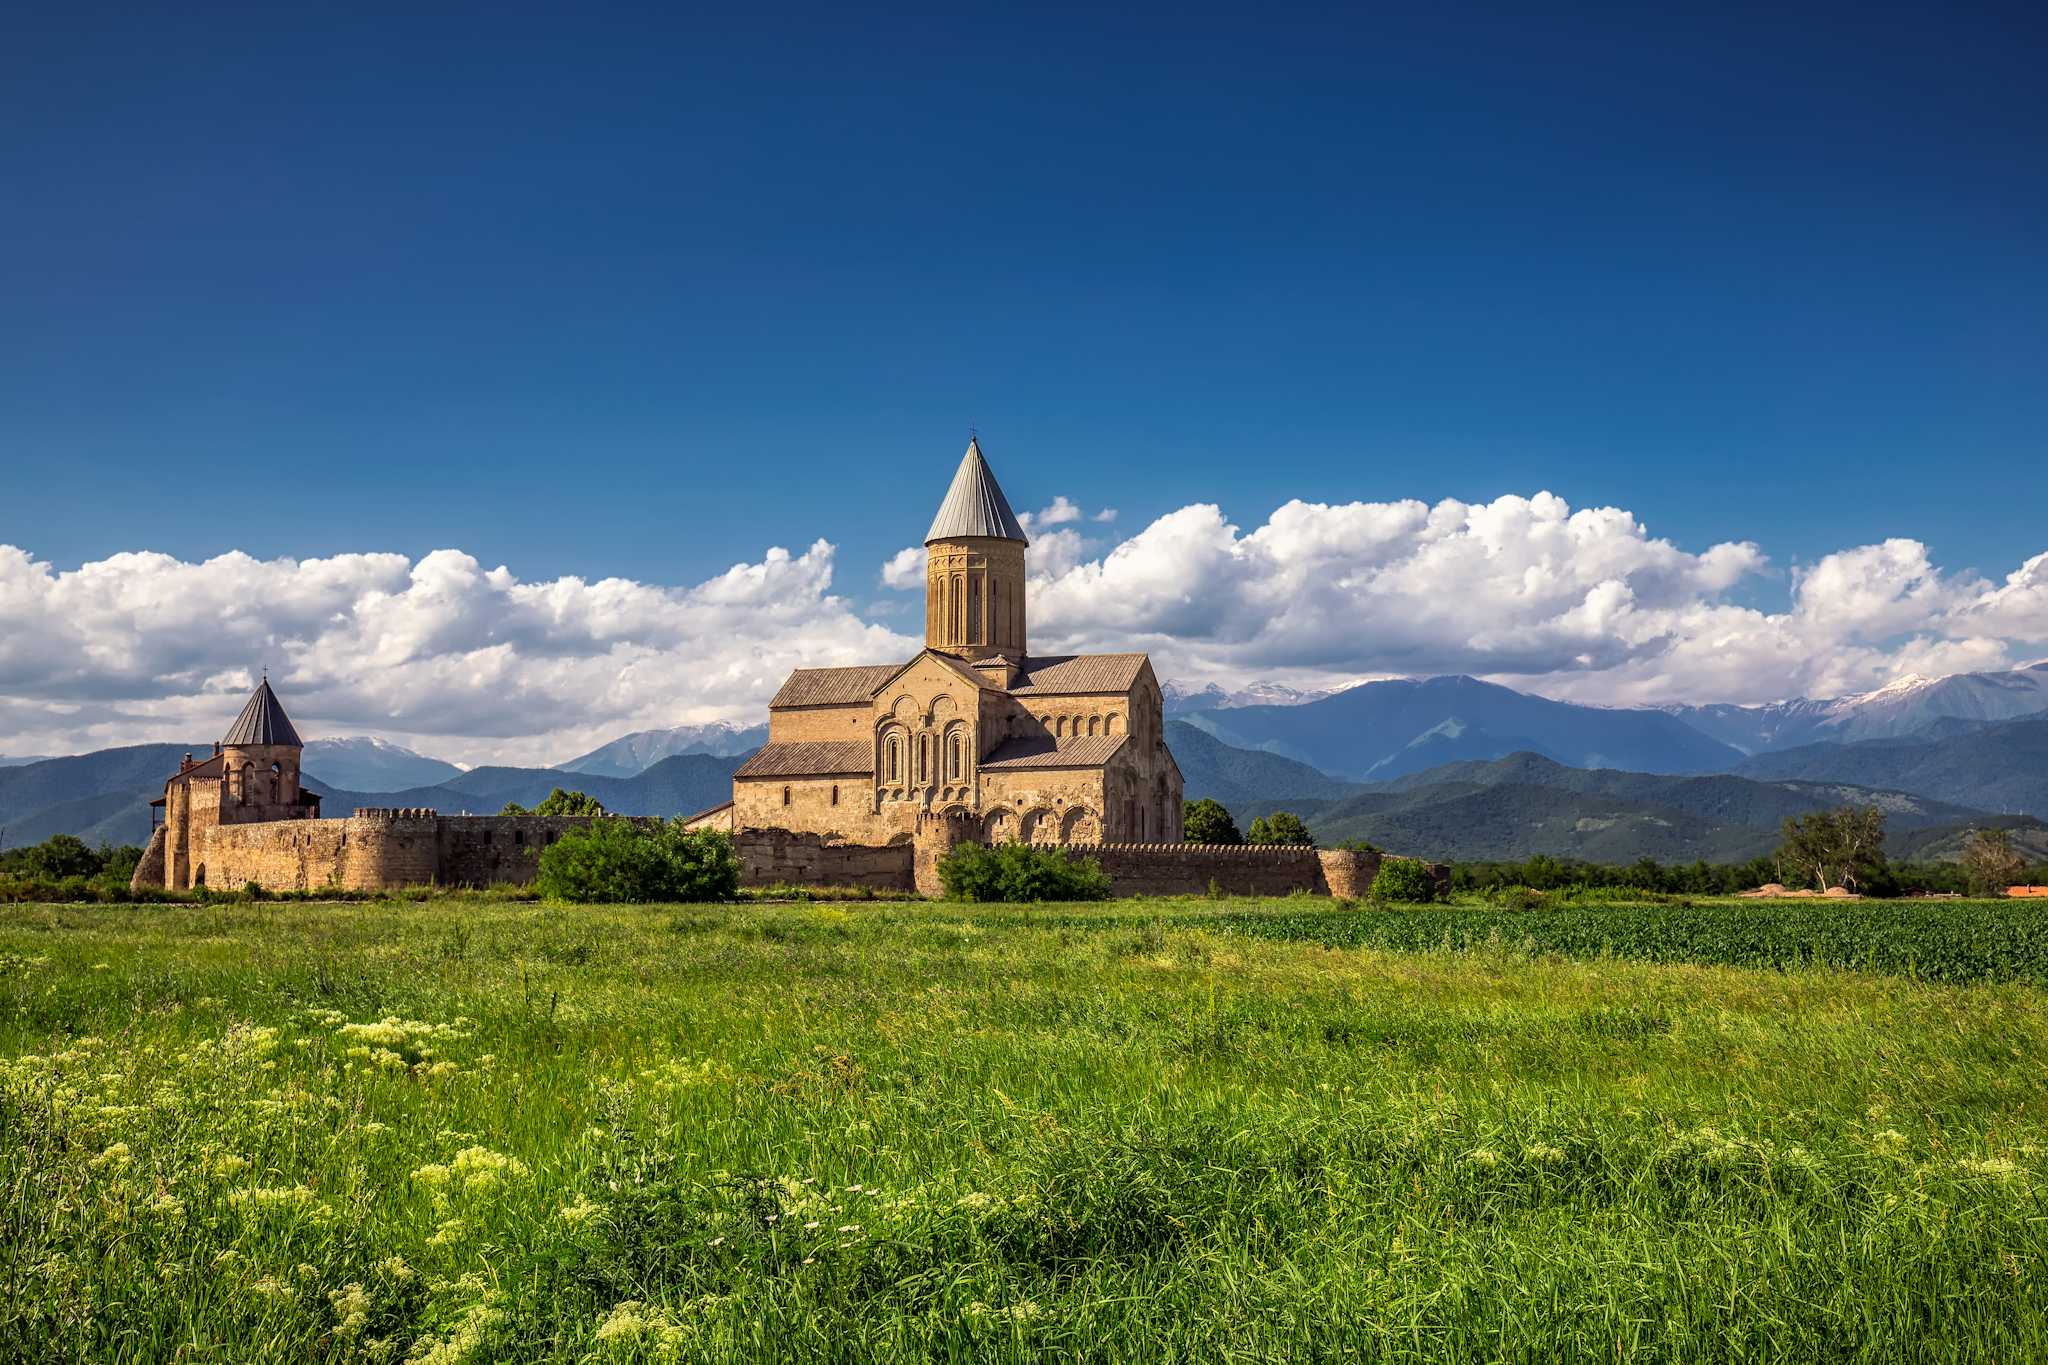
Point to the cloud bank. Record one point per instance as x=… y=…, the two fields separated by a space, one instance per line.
x=477 y=665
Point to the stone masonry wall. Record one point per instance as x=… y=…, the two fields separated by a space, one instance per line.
x=279 y=855
x=382 y=850
x=770 y=857
x=1189 y=869
x=1241 y=870
x=496 y=850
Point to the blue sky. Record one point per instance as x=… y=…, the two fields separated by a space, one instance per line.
x=636 y=293
x=613 y=293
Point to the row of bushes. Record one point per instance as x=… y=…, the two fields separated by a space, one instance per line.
x=1024 y=873
x=1544 y=873
x=625 y=861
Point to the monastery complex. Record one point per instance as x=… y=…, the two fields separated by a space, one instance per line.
x=870 y=775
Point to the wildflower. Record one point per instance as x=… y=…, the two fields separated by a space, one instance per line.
x=447 y=1234
x=813 y=1223
x=1483 y=1157
x=270 y=1287
x=351 y=1309
x=849 y=1227
x=478 y=1321
x=395 y=1267
x=717 y=1242
x=580 y=1212
x=623 y=1323
x=1543 y=1154
x=115 y=1157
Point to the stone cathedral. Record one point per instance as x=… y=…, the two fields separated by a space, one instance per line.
x=976 y=738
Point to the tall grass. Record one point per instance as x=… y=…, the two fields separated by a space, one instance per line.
x=498 y=1131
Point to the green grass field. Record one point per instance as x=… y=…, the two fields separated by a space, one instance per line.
x=1140 y=1131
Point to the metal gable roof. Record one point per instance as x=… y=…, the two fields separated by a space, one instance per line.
x=832 y=686
x=1068 y=751
x=810 y=758
x=1061 y=674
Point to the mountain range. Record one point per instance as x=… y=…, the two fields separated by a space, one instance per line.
x=1381 y=730
x=1450 y=766
x=374 y=764
x=1525 y=804
x=630 y=754
x=1901 y=708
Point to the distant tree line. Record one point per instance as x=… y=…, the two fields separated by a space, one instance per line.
x=63 y=857
x=1841 y=847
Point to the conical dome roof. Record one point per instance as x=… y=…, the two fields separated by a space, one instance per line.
x=262 y=721
x=975 y=505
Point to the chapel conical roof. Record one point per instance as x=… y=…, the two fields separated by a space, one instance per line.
x=975 y=505
x=262 y=721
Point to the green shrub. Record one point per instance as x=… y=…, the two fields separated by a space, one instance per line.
x=623 y=860
x=558 y=802
x=1207 y=822
x=1514 y=898
x=1403 y=879
x=1281 y=827
x=1021 y=873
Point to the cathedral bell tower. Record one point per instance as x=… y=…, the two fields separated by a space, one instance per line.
x=974 y=568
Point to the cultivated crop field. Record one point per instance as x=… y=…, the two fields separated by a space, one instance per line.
x=1137 y=1131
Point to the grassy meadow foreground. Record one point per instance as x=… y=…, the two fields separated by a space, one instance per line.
x=1154 y=1130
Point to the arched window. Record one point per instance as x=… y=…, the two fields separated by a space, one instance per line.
x=959 y=759
x=785 y=796
x=835 y=793
x=895 y=759
x=248 y=777
x=1092 y=723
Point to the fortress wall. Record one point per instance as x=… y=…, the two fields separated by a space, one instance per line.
x=1242 y=870
x=1189 y=869
x=773 y=856
x=149 y=872
x=390 y=848
x=283 y=855
x=495 y=850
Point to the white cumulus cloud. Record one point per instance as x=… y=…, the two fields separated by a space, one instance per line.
x=479 y=665
x=904 y=570
x=470 y=663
